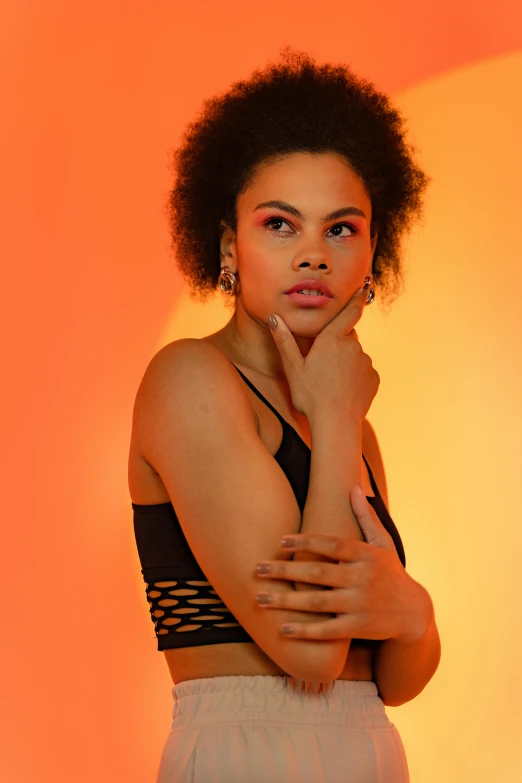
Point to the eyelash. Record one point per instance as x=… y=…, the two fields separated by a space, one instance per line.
x=283 y=220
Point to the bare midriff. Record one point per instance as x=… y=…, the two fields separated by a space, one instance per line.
x=223 y=660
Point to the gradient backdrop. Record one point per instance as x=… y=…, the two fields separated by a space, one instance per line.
x=94 y=98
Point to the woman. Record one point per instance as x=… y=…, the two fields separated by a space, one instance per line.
x=299 y=179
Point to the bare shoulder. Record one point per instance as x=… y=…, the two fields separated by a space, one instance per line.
x=372 y=452
x=188 y=377
x=189 y=362
x=186 y=354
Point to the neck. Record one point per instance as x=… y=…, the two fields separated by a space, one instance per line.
x=251 y=341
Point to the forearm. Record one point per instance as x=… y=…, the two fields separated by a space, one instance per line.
x=402 y=669
x=336 y=466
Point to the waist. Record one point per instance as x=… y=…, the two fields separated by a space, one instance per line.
x=267 y=698
x=221 y=660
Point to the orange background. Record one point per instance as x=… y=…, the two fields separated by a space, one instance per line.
x=94 y=99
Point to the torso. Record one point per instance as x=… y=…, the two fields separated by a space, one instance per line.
x=146 y=487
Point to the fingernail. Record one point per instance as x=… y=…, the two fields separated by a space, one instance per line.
x=263 y=568
x=288 y=542
x=287 y=630
x=263 y=598
x=272 y=322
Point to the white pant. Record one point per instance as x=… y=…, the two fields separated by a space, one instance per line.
x=275 y=729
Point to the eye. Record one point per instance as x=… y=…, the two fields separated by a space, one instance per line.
x=276 y=221
x=275 y=224
x=353 y=230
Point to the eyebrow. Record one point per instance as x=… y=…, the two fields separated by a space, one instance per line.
x=282 y=205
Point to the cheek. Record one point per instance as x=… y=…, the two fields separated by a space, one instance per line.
x=257 y=283
x=256 y=268
x=361 y=254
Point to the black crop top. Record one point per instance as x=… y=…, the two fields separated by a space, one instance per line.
x=185 y=609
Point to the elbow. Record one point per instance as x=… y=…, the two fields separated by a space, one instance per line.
x=316 y=661
x=394 y=702
x=388 y=701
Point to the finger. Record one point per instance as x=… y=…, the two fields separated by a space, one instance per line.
x=322 y=601
x=335 y=628
x=310 y=571
x=334 y=547
x=291 y=356
x=372 y=528
x=359 y=502
x=351 y=313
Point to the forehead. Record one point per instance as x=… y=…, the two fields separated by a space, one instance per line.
x=324 y=179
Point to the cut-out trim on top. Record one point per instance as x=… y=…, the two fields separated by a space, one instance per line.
x=182 y=606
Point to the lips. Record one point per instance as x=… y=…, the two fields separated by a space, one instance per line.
x=310 y=284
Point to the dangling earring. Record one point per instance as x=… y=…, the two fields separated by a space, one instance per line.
x=227 y=281
x=371 y=295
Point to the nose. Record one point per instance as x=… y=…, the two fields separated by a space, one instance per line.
x=313 y=258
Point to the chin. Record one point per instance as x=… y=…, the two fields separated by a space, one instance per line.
x=305 y=331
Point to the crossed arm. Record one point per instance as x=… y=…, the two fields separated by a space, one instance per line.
x=373 y=597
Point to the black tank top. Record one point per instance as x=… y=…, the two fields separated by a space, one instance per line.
x=174 y=581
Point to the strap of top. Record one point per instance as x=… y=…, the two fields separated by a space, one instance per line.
x=374 y=485
x=256 y=391
x=284 y=422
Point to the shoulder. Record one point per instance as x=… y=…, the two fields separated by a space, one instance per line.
x=189 y=380
x=191 y=364
x=372 y=452
x=185 y=353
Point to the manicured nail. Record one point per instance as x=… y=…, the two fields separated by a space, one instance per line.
x=272 y=322
x=263 y=598
x=288 y=542
x=263 y=568
x=287 y=630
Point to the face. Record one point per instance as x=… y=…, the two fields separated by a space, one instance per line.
x=303 y=216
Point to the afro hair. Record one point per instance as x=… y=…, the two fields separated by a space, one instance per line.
x=294 y=105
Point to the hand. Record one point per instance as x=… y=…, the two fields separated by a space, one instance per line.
x=372 y=596
x=336 y=374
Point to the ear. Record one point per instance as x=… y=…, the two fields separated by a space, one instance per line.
x=227 y=245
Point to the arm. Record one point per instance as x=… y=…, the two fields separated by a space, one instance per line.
x=195 y=425
x=335 y=468
x=403 y=668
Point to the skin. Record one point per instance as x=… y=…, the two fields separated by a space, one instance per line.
x=373 y=596
x=271 y=250
x=270 y=259
x=267 y=261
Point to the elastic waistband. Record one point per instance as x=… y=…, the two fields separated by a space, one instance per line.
x=277 y=699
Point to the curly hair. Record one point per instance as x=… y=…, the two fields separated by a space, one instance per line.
x=291 y=106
